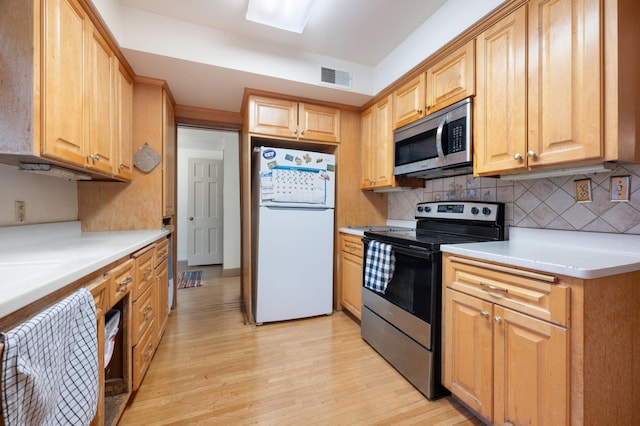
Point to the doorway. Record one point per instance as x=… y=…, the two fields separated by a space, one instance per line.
x=207 y=147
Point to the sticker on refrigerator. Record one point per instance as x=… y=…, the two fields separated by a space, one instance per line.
x=266 y=186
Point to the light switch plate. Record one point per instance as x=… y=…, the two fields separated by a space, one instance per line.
x=619 y=188
x=583 y=190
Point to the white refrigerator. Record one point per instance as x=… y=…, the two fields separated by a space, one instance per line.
x=293 y=202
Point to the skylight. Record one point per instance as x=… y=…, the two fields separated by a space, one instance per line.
x=289 y=15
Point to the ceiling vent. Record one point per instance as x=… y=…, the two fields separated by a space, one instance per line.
x=335 y=77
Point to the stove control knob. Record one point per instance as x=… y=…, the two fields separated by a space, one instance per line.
x=474 y=210
x=420 y=209
x=427 y=209
x=486 y=211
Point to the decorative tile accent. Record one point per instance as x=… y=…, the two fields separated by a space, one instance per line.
x=539 y=203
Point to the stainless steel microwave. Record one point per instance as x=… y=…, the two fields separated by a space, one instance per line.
x=435 y=146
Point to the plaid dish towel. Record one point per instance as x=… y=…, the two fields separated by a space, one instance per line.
x=50 y=366
x=379 y=266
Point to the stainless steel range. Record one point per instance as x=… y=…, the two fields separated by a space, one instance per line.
x=402 y=318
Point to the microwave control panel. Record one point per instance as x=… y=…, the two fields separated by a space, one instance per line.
x=457 y=135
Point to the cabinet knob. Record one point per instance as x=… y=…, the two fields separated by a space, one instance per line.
x=419 y=111
x=517 y=156
x=301 y=132
x=295 y=131
x=497 y=320
x=484 y=314
x=531 y=154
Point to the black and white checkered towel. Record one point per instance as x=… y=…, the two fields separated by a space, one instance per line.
x=50 y=366
x=379 y=266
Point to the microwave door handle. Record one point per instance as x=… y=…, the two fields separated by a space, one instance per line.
x=439 y=137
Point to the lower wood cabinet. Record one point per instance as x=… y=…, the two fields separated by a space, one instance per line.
x=528 y=347
x=351 y=252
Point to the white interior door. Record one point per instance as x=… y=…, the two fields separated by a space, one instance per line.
x=204 y=224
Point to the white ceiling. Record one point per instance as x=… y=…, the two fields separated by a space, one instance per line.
x=357 y=33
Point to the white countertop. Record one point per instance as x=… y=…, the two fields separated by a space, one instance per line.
x=36 y=260
x=572 y=253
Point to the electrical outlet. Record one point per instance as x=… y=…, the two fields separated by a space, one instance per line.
x=21 y=213
x=619 y=188
x=583 y=190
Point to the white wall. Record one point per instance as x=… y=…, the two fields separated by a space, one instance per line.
x=202 y=143
x=47 y=199
x=454 y=17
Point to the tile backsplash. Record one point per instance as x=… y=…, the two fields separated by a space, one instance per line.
x=547 y=203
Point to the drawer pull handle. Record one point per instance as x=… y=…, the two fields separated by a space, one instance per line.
x=147 y=311
x=125 y=282
x=149 y=351
x=493 y=287
x=484 y=314
x=147 y=271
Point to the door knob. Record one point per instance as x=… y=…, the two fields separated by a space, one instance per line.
x=191 y=218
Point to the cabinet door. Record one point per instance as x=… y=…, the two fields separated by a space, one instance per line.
x=169 y=156
x=500 y=105
x=318 y=123
x=383 y=149
x=368 y=154
x=123 y=137
x=451 y=80
x=531 y=370
x=144 y=314
x=99 y=76
x=274 y=117
x=63 y=92
x=351 y=279
x=408 y=102
x=468 y=354
x=565 y=81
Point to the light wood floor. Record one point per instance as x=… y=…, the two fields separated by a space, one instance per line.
x=211 y=368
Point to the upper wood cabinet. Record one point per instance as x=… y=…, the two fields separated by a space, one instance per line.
x=63 y=72
x=409 y=102
x=500 y=107
x=377 y=146
x=101 y=98
x=64 y=103
x=123 y=135
x=552 y=62
x=78 y=83
x=169 y=155
x=449 y=80
x=290 y=119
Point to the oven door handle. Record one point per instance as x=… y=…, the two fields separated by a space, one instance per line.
x=413 y=251
x=410 y=250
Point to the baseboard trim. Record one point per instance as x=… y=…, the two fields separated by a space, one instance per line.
x=231 y=272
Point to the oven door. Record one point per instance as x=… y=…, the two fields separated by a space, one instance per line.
x=411 y=299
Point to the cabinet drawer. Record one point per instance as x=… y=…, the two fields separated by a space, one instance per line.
x=162 y=251
x=144 y=271
x=143 y=315
x=352 y=244
x=121 y=279
x=142 y=356
x=99 y=289
x=532 y=293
